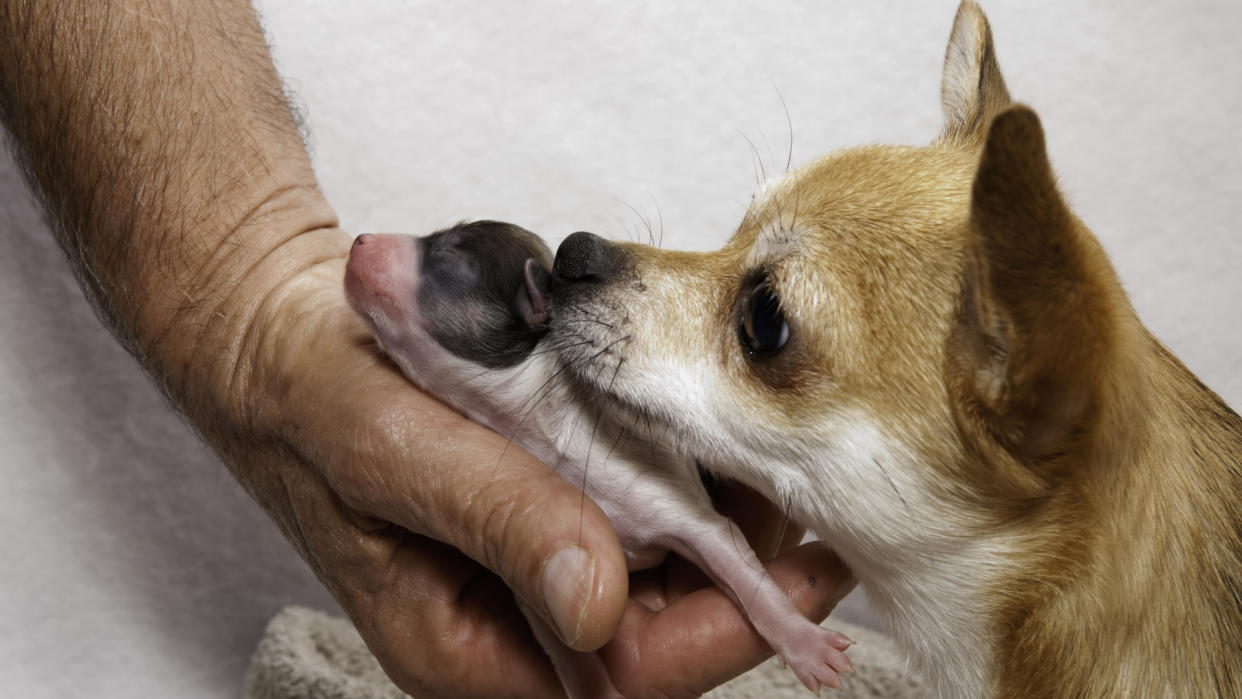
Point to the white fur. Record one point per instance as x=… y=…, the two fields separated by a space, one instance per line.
x=924 y=580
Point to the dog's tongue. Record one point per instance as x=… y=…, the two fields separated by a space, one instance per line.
x=535 y=310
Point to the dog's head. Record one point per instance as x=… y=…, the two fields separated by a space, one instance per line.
x=471 y=295
x=896 y=340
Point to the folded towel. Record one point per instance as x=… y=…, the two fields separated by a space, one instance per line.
x=306 y=654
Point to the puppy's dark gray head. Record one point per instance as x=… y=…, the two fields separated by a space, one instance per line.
x=484 y=291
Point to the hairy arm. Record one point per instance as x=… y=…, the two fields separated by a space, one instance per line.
x=158 y=137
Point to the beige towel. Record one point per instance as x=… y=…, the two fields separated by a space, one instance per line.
x=307 y=654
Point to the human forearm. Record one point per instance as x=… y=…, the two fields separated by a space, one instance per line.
x=160 y=141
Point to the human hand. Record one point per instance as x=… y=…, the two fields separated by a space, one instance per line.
x=421 y=522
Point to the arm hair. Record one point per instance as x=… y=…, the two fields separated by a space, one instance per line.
x=161 y=143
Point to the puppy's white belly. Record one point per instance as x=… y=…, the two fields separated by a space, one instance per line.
x=644 y=504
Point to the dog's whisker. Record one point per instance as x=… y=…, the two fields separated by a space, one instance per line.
x=889 y=478
x=592 y=317
x=659 y=243
x=768 y=145
x=780 y=534
x=473 y=378
x=586 y=465
x=761 y=174
x=560 y=348
x=788 y=124
x=621 y=434
x=620 y=223
x=607 y=347
x=645 y=221
x=527 y=408
x=541 y=393
x=598 y=418
x=583 y=310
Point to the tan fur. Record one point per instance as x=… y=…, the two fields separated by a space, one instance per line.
x=948 y=291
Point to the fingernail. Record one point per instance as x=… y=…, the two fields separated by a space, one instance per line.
x=567 y=581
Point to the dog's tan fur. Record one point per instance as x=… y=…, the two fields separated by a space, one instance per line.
x=949 y=293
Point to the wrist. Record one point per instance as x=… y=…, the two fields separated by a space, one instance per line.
x=204 y=339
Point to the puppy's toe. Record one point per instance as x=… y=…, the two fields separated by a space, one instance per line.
x=818 y=658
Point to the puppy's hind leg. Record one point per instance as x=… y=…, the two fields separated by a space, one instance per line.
x=713 y=543
x=583 y=675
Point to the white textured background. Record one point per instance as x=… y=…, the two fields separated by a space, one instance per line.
x=132 y=565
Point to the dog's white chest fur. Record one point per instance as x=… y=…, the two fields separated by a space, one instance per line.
x=928 y=584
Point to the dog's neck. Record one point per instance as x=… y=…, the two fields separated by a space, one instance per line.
x=934 y=603
x=1124 y=544
x=928 y=582
x=1007 y=607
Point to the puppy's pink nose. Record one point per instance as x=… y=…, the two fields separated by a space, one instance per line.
x=381 y=270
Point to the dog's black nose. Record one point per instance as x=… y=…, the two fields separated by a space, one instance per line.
x=583 y=257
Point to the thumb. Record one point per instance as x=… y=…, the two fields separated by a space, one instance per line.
x=551 y=544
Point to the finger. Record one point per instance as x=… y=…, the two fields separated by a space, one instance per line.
x=677 y=578
x=438 y=623
x=449 y=627
x=395 y=453
x=703 y=639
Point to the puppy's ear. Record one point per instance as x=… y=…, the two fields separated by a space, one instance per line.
x=1041 y=304
x=972 y=90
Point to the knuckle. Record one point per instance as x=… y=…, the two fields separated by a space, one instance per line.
x=512 y=523
x=439 y=663
x=413 y=674
x=415 y=664
x=499 y=512
x=634 y=678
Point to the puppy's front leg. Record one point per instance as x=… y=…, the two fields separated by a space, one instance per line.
x=583 y=675
x=715 y=544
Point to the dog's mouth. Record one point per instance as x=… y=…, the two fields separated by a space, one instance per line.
x=589 y=342
x=710 y=481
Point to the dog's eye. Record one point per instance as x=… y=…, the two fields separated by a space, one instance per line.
x=764 y=330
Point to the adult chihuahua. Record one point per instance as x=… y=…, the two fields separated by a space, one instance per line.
x=930 y=361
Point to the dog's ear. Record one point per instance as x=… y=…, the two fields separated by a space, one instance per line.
x=972 y=90
x=1041 y=304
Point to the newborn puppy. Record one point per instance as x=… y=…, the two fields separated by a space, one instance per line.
x=463 y=312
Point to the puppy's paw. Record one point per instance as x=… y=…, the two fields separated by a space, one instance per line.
x=816 y=655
